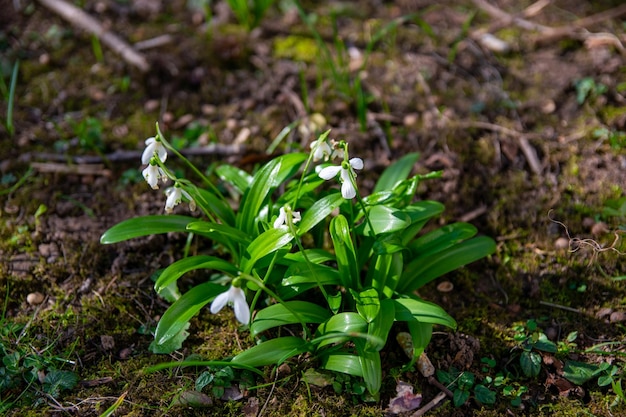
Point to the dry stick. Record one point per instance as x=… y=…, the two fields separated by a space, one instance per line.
x=549 y=34
x=432 y=404
x=79 y=18
x=529 y=152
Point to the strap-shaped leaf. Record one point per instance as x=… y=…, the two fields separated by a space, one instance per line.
x=144 y=226
x=421 y=333
x=282 y=314
x=272 y=352
x=370 y=367
x=266 y=243
x=219 y=232
x=179 y=313
x=407 y=309
x=442 y=238
x=344 y=252
x=342 y=323
x=379 y=328
x=182 y=266
x=319 y=211
x=344 y=363
x=265 y=180
x=424 y=269
x=234 y=176
x=397 y=172
x=384 y=219
x=213 y=204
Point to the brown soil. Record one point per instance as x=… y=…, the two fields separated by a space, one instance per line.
x=526 y=157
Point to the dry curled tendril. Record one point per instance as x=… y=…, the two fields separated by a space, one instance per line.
x=575 y=243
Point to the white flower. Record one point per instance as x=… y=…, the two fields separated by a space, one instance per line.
x=282 y=217
x=235 y=297
x=321 y=150
x=347 y=175
x=153 y=146
x=152 y=174
x=175 y=196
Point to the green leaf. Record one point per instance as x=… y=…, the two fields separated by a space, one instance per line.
x=213 y=204
x=342 y=323
x=530 y=363
x=344 y=252
x=182 y=266
x=421 y=333
x=385 y=219
x=302 y=277
x=380 y=326
x=178 y=314
x=484 y=395
x=580 y=372
x=367 y=303
x=172 y=344
x=56 y=381
x=370 y=367
x=544 y=344
x=272 y=352
x=282 y=314
x=266 y=179
x=408 y=309
x=144 y=226
x=344 y=363
x=397 y=172
x=221 y=233
x=460 y=397
x=319 y=211
x=424 y=269
x=235 y=177
x=267 y=242
x=442 y=238
x=420 y=213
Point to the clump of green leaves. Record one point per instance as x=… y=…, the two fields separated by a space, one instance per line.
x=26 y=374
x=249 y=13
x=337 y=268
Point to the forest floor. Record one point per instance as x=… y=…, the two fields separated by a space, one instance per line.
x=522 y=106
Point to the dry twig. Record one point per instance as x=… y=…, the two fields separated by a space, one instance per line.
x=82 y=20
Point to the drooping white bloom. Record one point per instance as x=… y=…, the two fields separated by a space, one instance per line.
x=152 y=175
x=321 y=150
x=282 y=217
x=175 y=196
x=346 y=176
x=153 y=146
x=235 y=297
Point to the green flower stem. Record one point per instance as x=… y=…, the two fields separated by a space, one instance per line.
x=259 y=283
x=204 y=179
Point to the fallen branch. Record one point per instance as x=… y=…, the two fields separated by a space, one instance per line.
x=82 y=20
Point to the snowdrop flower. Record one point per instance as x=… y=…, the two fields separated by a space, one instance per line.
x=282 y=217
x=152 y=173
x=235 y=297
x=153 y=146
x=175 y=196
x=347 y=174
x=321 y=150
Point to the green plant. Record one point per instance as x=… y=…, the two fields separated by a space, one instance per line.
x=27 y=374
x=461 y=384
x=249 y=13
x=531 y=340
x=587 y=88
x=347 y=81
x=616 y=138
x=337 y=273
x=10 y=97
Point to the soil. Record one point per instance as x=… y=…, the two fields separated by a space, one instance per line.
x=531 y=141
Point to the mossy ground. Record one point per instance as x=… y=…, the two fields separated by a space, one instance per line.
x=469 y=116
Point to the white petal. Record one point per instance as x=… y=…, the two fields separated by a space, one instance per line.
x=150 y=140
x=356 y=163
x=280 y=220
x=347 y=190
x=152 y=175
x=296 y=217
x=220 y=301
x=161 y=151
x=242 y=311
x=173 y=198
x=329 y=172
x=148 y=152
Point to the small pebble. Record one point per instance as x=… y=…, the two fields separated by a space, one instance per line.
x=603 y=312
x=445 y=286
x=108 y=343
x=617 y=316
x=35 y=298
x=561 y=243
